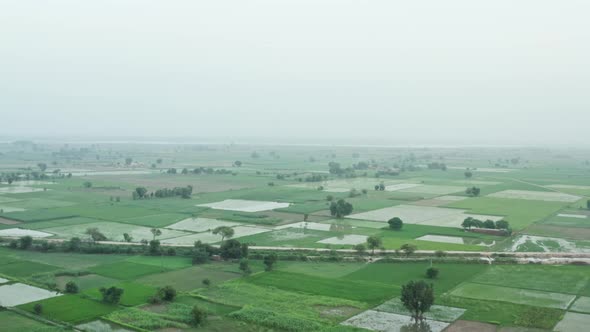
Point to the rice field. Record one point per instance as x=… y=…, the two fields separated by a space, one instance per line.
x=16 y=294
x=388 y=322
x=245 y=205
x=536 y=196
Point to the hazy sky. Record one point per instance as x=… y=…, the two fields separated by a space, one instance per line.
x=409 y=72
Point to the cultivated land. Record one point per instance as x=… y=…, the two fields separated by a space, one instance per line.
x=277 y=200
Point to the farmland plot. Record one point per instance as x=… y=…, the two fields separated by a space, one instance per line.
x=19 y=190
x=350 y=239
x=345 y=185
x=307 y=225
x=514 y=295
x=17 y=294
x=113 y=231
x=200 y=224
x=18 y=232
x=573 y=322
x=424 y=215
x=536 y=196
x=5 y=208
x=441 y=238
x=437 y=312
x=547 y=244
x=388 y=322
x=245 y=205
x=434 y=189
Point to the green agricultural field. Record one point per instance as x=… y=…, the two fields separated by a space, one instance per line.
x=134 y=293
x=520 y=213
x=550 y=278
x=25 y=269
x=320 y=269
x=191 y=278
x=71 y=308
x=514 y=295
x=126 y=270
x=85 y=282
x=400 y=273
x=172 y=262
x=361 y=291
x=13 y=322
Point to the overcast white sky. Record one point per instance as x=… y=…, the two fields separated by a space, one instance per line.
x=409 y=72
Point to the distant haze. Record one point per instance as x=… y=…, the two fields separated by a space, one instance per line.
x=379 y=71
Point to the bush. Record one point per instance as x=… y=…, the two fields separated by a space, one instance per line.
x=200 y=257
x=395 y=223
x=432 y=273
x=199 y=316
x=71 y=287
x=111 y=295
x=167 y=293
x=38 y=309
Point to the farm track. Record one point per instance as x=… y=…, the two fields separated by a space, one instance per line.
x=541 y=256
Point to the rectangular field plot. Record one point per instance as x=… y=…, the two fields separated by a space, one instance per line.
x=71 y=308
x=209 y=237
x=424 y=215
x=387 y=322
x=514 y=295
x=351 y=239
x=113 y=231
x=568 y=215
x=532 y=243
x=200 y=224
x=436 y=312
x=573 y=322
x=536 y=196
x=441 y=238
x=126 y=270
x=12 y=322
x=401 y=186
x=434 y=189
x=245 y=205
x=582 y=304
x=307 y=225
x=19 y=190
x=5 y=208
x=560 y=279
x=18 y=232
x=345 y=185
x=17 y=294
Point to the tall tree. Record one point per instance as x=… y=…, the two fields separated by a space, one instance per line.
x=224 y=231
x=417 y=297
x=395 y=223
x=373 y=242
x=155 y=232
x=340 y=208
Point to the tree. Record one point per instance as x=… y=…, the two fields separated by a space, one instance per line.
x=154 y=247
x=432 y=273
x=231 y=249
x=417 y=297
x=360 y=248
x=473 y=191
x=224 y=231
x=373 y=242
x=408 y=249
x=238 y=163
x=127 y=237
x=468 y=223
x=468 y=174
x=25 y=242
x=198 y=316
x=38 y=309
x=42 y=166
x=440 y=253
x=200 y=257
x=245 y=267
x=95 y=234
x=340 y=208
x=74 y=244
x=87 y=184
x=128 y=161
x=156 y=232
x=588 y=204
x=167 y=293
x=111 y=295
x=395 y=223
x=269 y=261
x=206 y=282
x=489 y=224
x=71 y=287
x=140 y=192
x=502 y=224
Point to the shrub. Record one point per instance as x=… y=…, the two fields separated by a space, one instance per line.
x=38 y=309
x=432 y=272
x=395 y=223
x=199 y=316
x=71 y=287
x=111 y=295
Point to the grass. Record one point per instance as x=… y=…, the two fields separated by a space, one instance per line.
x=156 y=220
x=13 y=322
x=169 y=262
x=400 y=273
x=504 y=313
x=561 y=279
x=190 y=278
x=85 y=282
x=520 y=213
x=62 y=260
x=125 y=270
x=134 y=293
x=320 y=269
x=361 y=291
x=513 y=295
x=25 y=268
x=71 y=308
